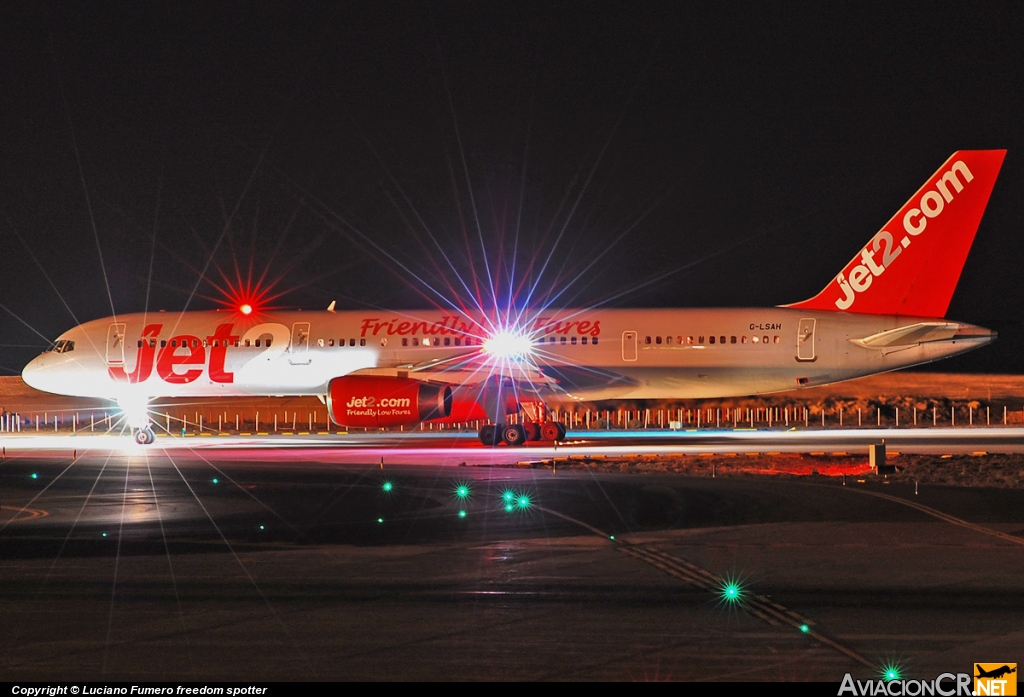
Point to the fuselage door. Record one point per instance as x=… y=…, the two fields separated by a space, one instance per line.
x=629 y=346
x=115 y=345
x=298 y=350
x=805 y=340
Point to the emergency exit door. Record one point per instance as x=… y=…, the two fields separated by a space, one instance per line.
x=805 y=340
x=298 y=349
x=115 y=345
x=629 y=346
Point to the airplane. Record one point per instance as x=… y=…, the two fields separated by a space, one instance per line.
x=995 y=673
x=884 y=311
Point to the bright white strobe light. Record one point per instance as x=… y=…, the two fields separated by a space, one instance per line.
x=508 y=345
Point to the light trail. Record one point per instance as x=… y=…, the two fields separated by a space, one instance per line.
x=453 y=448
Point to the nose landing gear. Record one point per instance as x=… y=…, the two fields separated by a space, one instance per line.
x=145 y=436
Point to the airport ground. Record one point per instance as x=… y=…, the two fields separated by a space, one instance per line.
x=288 y=558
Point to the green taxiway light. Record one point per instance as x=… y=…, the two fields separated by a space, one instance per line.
x=387 y=486
x=731 y=592
x=216 y=481
x=509 y=496
x=35 y=476
x=380 y=520
x=509 y=508
x=523 y=501
x=462 y=514
x=104 y=534
x=262 y=528
x=462 y=491
x=611 y=537
x=804 y=628
x=890 y=673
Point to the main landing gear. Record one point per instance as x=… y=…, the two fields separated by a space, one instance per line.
x=520 y=434
x=144 y=436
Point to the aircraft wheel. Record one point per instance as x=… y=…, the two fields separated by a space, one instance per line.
x=532 y=431
x=550 y=430
x=513 y=434
x=145 y=436
x=487 y=434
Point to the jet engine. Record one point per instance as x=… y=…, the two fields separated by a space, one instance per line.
x=374 y=402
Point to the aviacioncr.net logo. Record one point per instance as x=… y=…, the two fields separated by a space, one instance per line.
x=946 y=685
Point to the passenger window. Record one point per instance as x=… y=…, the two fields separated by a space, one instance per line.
x=561 y=340
x=415 y=342
x=426 y=342
x=594 y=342
x=258 y=342
x=237 y=343
x=362 y=342
x=700 y=340
x=689 y=340
x=743 y=339
x=573 y=341
x=765 y=339
x=268 y=342
x=330 y=342
x=732 y=340
x=721 y=339
x=247 y=343
x=140 y=344
x=351 y=342
x=405 y=342
x=668 y=340
x=447 y=341
x=384 y=341
x=195 y=343
x=458 y=341
x=174 y=343
x=163 y=343
x=152 y=343
x=754 y=339
x=647 y=340
x=320 y=343
x=712 y=339
x=777 y=339
x=657 y=339
x=583 y=341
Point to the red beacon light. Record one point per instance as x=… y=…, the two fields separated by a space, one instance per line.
x=245 y=309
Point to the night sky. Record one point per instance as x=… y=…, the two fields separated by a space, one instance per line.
x=412 y=154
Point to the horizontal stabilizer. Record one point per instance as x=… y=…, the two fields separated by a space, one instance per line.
x=910 y=335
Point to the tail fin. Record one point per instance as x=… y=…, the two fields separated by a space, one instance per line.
x=912 y=265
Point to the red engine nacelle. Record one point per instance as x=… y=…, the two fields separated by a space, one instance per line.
x=374 y=402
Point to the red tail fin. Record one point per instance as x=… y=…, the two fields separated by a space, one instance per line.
x=912 y=265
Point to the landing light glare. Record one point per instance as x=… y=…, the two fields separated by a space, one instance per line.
x=508 y=345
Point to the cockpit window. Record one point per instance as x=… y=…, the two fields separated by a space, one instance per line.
x=63 y=346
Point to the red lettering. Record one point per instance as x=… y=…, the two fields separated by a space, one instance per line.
x=583 y=327
x=403 y=328
x=366 y=325
x=222 y=336
x=169 y=358
x=596 y=329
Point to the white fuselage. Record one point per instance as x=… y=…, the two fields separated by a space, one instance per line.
x=576 y=354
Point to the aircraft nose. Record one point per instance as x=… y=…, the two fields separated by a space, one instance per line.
x=35 y=373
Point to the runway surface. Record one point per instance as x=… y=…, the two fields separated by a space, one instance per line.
x=271 y=563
